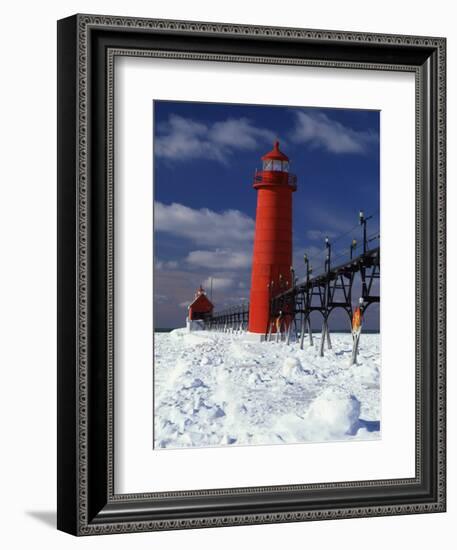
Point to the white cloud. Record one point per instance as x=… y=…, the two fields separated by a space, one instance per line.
x=218 y=283
x=204 y=226
x=182 y=138
x=220 y=258
x=160 y=298
x=318 y=130
x=163 y=264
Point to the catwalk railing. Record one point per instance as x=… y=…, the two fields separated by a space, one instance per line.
x=229 y=319
x=348 y=281
x=332 y=289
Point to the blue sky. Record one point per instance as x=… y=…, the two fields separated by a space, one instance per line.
x=205 y=156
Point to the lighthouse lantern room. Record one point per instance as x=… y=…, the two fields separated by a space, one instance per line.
x=275 y=160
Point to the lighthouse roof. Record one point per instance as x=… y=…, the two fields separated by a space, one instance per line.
x=275 y=154
x=201 y=298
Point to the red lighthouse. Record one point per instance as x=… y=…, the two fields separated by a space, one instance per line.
x=272 y=257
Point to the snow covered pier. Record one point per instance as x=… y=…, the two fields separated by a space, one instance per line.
x=215 y=388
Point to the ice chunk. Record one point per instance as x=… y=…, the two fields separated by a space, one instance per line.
x=196 y=339
x=332 y=414
x=367 y=375
x=292 y=367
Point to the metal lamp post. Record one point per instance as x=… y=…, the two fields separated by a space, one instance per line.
x=306 y=320
x=363 y=222
x=352 y=248
x=325 y=331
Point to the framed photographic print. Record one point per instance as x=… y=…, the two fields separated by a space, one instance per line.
x=233 y=347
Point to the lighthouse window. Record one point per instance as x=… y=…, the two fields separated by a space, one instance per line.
x=277 y=165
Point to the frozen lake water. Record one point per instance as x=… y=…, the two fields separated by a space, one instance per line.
x=213 y=389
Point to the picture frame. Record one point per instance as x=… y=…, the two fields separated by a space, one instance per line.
x=87 y=501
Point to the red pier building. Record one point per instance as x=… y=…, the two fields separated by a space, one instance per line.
x=201 y=306
x=272 y=257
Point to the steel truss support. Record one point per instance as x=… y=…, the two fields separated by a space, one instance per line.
x=326 y=292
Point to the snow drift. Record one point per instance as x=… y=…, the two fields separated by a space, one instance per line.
x=213 y=389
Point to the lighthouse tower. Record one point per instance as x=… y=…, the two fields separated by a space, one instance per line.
x=272 y=257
